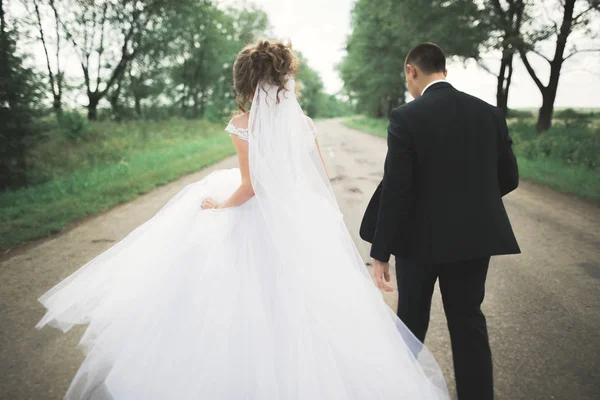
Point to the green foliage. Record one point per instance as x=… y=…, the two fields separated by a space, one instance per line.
x=568 y=144
x=314 y=101
x=383 y=31
x=205 y=42
x=73 y=125
x=519 y=114
x=331 y=106
x=574 y=119
x=19 y=97
x=130 y=159
x=311 y=87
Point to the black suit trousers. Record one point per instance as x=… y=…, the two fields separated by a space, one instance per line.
x=462 y=285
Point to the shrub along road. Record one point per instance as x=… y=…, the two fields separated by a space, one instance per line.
x=542 y=306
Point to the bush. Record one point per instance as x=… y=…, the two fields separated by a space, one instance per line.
x=572 y=145
x=106 y=143
x=522 y=131
x=520 y=114
x=73 y=125
x=573 y=119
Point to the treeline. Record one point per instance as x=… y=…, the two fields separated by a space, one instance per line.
x=383 y=31
x=123 y=60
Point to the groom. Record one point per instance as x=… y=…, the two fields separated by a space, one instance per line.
x=439 y=210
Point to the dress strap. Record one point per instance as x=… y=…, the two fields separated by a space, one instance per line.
x=234 y=130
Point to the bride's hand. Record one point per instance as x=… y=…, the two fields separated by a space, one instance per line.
x=209 y=203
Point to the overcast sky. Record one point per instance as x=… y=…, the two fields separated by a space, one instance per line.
x=318 y=28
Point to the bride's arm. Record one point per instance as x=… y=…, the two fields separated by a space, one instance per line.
x=321 y=156
x=245 y=191
x=314 y=129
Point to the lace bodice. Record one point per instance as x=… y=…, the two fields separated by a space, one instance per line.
x=243 y=132
x=234 y=130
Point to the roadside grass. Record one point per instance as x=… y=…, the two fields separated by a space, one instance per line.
x=374 y=126
x=119 y=162
x=574 y=179
x=566 y=158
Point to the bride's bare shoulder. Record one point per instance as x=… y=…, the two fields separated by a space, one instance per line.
x=240 y=121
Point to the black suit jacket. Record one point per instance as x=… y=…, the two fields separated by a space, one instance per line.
x=449 y=163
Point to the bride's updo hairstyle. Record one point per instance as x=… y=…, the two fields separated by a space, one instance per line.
x=271 y=62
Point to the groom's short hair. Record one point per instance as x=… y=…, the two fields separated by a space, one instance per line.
x=429 y=57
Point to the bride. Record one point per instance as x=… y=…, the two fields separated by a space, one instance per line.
x=246 y=284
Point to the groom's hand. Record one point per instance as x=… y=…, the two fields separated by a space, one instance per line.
x=381 y=271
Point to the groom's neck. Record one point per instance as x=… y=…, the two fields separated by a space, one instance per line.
x=432 y=78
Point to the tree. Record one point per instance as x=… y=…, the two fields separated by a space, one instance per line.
x=177 y=55
x=575 y=15
x=249 y=22
x=145 y=78
x=331 y=106
x=371 y=68
x=18 y=99
x=206 y=44
x=311 y=87
x=383 y=31
x=39 y=10
x=504 y=19
x=107 y=36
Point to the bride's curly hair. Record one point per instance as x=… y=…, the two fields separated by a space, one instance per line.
x=269 y=61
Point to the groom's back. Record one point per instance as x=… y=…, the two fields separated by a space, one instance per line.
x=458 y=209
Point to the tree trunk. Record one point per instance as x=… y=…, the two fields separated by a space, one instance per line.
x=57 y=106
x=113 y=99
x=201 y=105
x=195 y=103
x=138 y=106
x=544 y=121
x=116 y=107
x=93 y=107
x=504 y=80
x=549 y=93
x=546 y=112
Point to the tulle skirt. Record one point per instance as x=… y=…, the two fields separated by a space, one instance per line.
x=192 y=305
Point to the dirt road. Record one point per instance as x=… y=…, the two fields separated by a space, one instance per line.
x=543 y=306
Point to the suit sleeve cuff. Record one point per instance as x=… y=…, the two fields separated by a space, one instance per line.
x=380 y=254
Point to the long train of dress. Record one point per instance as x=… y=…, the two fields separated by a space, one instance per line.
x=192 y=305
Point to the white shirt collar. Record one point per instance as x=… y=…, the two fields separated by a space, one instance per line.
x=432 y=83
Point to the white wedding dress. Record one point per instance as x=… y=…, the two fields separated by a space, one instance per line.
x=269 y=300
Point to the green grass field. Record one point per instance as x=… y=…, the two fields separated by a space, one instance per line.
x=114 y=163
x=564 y=159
